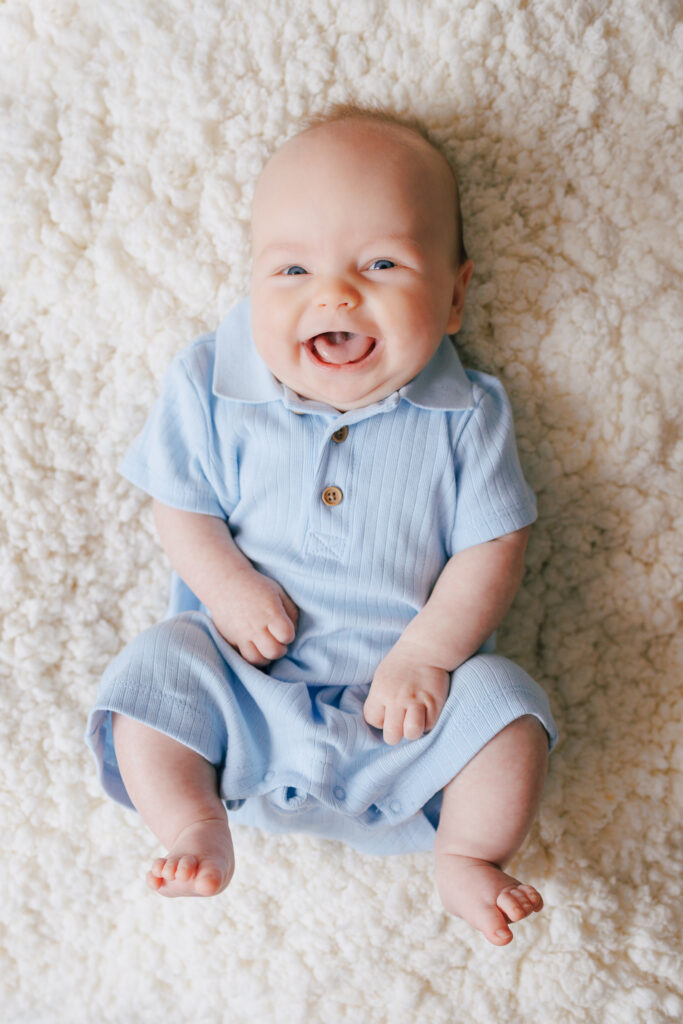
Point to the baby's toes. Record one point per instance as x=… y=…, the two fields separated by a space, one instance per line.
x=209 y=879
x=534 y=897
x=154 y=881
x=168 y=872
x=186 y=868
x=155 y=878
x=518 y=901
x=157 y=869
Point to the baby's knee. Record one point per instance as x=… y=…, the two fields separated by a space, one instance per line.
x=180 y=640
x=492 y=672
x=497 y=688
x=527 y=733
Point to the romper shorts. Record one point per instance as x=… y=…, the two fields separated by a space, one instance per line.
x=296 y=757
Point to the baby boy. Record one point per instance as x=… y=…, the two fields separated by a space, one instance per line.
x=346 y=516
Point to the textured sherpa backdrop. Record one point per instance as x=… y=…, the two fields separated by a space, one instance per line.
x=132 y=131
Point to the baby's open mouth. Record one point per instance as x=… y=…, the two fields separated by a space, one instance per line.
x=339 y=348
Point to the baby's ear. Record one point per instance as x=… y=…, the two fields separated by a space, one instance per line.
x=459 y=290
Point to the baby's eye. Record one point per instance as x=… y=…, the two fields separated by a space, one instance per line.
x=290 y=271
x=382 y=264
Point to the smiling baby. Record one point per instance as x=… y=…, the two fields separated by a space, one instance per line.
x=346 y=515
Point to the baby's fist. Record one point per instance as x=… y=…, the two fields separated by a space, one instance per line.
x=406 y=696
x=256 y=617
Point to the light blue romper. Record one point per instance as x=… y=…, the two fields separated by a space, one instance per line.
x=422 y=474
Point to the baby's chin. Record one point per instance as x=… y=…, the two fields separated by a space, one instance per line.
x=343 y=386
x=343 y=397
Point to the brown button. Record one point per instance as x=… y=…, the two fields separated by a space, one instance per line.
x=332 y=496
x=340 y=435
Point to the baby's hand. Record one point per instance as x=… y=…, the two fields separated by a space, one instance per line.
x=406 y=695
x=255 y=616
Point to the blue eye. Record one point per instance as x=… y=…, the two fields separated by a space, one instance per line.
x=291 y=271
x=383 y=264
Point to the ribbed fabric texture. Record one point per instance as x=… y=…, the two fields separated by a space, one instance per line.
x=422 y=474
x=294 y=757
x=418 y=484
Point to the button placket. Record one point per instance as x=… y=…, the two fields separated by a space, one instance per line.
x=328 y=522
x=333 y=495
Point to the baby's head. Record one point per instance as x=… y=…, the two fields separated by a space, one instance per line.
x=359 y=267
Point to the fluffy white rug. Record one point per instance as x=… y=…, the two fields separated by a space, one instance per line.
x=132 y=131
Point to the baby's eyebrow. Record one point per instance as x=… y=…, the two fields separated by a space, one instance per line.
x=275 y=247
x=374 y=243
x=404 y=241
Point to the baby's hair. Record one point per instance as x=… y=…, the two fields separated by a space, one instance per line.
x=381 y=115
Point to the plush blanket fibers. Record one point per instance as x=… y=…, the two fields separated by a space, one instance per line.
x=131 y=134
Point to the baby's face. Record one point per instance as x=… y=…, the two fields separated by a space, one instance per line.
x=354 y=279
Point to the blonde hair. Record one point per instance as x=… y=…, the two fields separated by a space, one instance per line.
x=381 y=115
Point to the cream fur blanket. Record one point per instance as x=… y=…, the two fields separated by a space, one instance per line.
x=132 y=131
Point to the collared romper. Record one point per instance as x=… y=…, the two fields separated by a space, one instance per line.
x=355 y=515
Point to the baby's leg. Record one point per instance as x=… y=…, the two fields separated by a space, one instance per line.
x=175 y=790
x=487 y=810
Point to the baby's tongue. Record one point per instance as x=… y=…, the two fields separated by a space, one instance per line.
x=341 y=346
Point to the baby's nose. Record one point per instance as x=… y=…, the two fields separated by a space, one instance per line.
x=335 y=293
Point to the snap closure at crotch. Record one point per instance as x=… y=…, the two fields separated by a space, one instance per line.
x=287 y=798
x=332 y=496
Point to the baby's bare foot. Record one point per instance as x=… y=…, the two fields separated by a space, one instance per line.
x=200 y=863
x=483 y=895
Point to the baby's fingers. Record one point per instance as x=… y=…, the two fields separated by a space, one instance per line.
x=415 y=722
x=261 y=650
x=282 y=628
x=394 y=716
x=400 y=721
x=251 y=653
x=396 y=721
x=373 y=711
x=291 y=610
x=268 y=646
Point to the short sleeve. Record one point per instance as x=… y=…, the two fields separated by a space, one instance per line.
x=492 y=496
x=171 y=459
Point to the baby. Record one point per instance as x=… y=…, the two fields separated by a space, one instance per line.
x=346 y=516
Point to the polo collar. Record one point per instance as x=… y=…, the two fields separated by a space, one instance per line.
x=241 y=375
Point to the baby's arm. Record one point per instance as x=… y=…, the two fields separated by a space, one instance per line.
x=467 y=604
x=250 y=610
